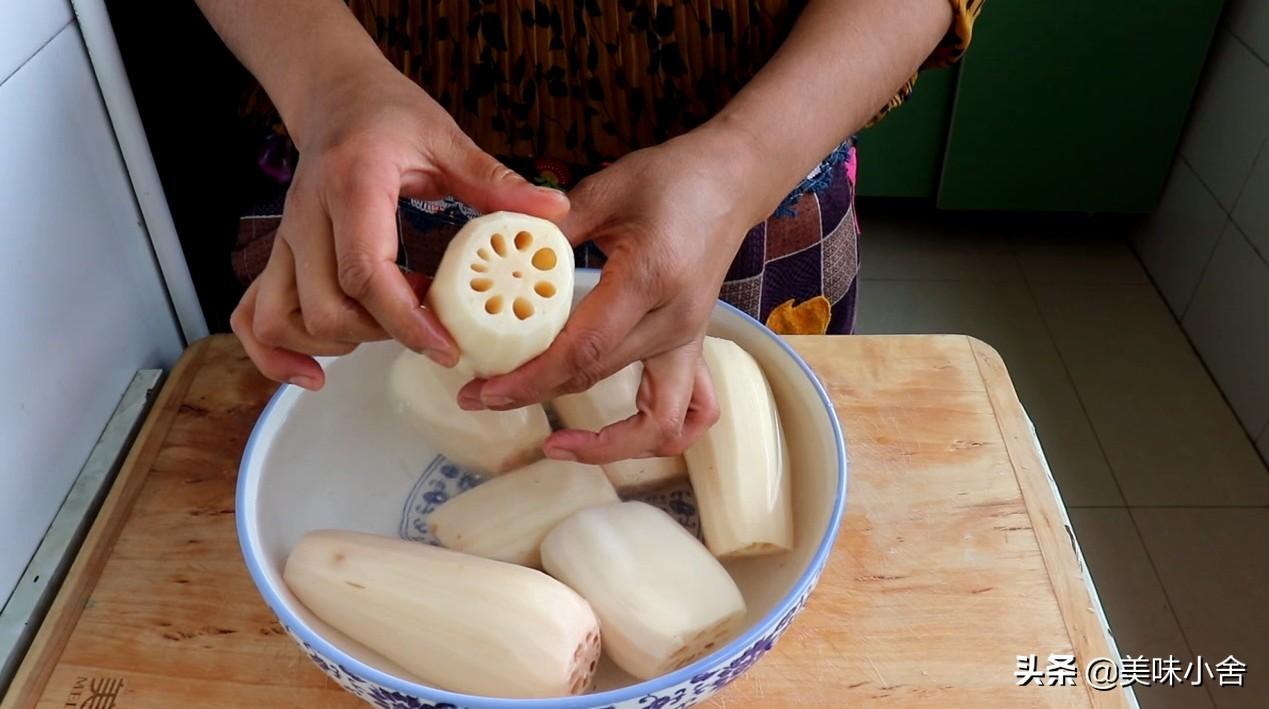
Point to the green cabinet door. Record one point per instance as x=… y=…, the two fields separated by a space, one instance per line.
x=1073 y=106
x=902 y=155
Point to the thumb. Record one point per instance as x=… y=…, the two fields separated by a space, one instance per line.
x=580 y=221
x=591 y=205
x=473 y=176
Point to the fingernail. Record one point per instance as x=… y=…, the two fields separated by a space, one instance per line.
x=493 y=400
x=443 y=358
x=445 y=354
x=304 y=382
x=561 y=454
x=470 y=402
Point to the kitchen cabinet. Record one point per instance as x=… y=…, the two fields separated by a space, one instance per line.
x=1075 y=106
x=901 y=156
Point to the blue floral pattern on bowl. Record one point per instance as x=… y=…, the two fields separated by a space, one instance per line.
x=442 y=480
x=680 y=502
x=696 y=689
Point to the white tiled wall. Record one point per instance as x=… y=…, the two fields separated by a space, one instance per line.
x=1250 y=18
x=1207 y=246
x=1228 y=322
x=1181 y=235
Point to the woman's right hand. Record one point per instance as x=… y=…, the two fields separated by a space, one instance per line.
x=332 y=282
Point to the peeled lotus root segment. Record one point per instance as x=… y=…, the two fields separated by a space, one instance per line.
x=662 y=600
x=425 y=395
x=611 y=400
x=504 y=290
x=460 y=622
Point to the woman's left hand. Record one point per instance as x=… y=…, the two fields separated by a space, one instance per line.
x=669 y=219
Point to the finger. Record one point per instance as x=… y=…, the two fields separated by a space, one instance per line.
x=364 y=221
x=703 y=411
x=477 y=178
x=658 y=332
x=277 y=364
x=675 y=398
x=585 y=212
x=579 y=355
x=277 y=321
x=419 y=283
x=327 y=312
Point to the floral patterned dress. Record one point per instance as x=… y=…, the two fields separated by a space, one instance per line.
x=557 y=89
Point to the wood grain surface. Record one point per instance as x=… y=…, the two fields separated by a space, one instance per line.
x=954 y=556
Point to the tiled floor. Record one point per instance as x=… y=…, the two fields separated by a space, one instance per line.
x=1168 y=497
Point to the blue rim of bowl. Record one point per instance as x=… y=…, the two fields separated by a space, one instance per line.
x=583 y=701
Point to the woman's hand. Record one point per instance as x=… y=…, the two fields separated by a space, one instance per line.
x=670 y=219
x=332 y=281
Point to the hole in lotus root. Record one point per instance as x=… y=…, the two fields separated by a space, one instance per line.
x=523 y=241
x=544 y=259
x=493 y=306
x=479 y=267
x=544 y=289
x=483 y=254
x=480 y=285
x=499 y=244
x=522 y=308
x=517 y=274
x=585 y=658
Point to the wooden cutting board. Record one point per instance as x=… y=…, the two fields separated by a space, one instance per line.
x=955 y=556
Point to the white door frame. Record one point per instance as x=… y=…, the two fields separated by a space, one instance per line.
x=121 y=106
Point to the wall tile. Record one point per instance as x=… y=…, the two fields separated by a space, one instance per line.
x=1228 y=322
x=1249 y=19
x=1252 y=211
x=1176 y=242
x=1262 y=444
x=1230 y=118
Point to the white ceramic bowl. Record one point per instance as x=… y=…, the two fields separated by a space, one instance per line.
x=341 y=458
